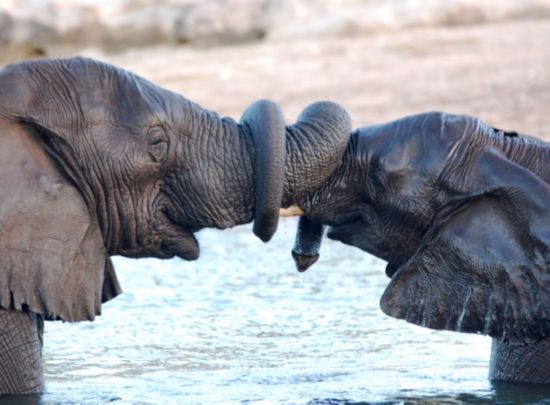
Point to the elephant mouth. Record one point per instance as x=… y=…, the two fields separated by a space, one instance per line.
x=177 y=239
x=391 y=269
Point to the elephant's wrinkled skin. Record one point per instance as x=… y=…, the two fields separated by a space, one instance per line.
x=461 y=213
x=96 y=161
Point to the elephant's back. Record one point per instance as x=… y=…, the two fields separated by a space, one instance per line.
x=525 y=150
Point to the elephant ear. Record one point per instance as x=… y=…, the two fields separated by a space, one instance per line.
x=52 y=258
x=63 y=95
x=37 y=92
x=484 y=266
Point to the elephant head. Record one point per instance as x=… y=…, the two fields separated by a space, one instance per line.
x=101 y=162
x=461 y=213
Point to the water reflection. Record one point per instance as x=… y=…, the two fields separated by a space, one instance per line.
x=502 y=393
x=514 y=393
x=21 y=400
x=242 y=326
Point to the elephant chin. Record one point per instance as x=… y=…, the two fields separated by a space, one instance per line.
x=178 y=241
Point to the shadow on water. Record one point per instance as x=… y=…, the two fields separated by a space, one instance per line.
x=246 y=330
x=21 y=400
x=502 y=393
x=516 y=393
x=39 y=399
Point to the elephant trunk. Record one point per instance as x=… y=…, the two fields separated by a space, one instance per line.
x=315 y=146
x=308 y=241
x=265 y=120
x=293 y=161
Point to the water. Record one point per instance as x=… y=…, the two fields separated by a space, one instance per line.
x=242 y=326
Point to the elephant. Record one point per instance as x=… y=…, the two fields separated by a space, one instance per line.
x=96 y=161
x=460 y=211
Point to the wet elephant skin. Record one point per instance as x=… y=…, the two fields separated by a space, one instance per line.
x=96 y=161
x=461 y=213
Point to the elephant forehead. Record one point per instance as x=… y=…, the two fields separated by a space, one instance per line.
x=105 y=92
x=418 y=142
x=127 y=104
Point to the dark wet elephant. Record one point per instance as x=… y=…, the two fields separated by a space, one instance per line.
x=461 y=213
x=96 y=161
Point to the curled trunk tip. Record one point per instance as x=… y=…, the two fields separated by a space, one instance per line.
x=265 y=120
x=308 y=242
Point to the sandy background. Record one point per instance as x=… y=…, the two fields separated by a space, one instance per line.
x=499 y=72
x=379 y=59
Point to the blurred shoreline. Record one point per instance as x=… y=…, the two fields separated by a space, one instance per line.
x=35 y=28
x=483 y=58
x=498 y=72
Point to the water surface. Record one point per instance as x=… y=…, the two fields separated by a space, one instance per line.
x=242 y=326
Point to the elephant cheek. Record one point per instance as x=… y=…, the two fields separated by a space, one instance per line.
x=356 y=233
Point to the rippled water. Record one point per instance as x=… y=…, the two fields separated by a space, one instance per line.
x=242 y=326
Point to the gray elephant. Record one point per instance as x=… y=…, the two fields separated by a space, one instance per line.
x=96 y=161
x=461 y=213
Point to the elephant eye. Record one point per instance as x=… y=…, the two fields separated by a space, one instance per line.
x=157 y=144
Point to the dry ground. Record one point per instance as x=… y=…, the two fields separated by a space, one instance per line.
x=499 y=72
